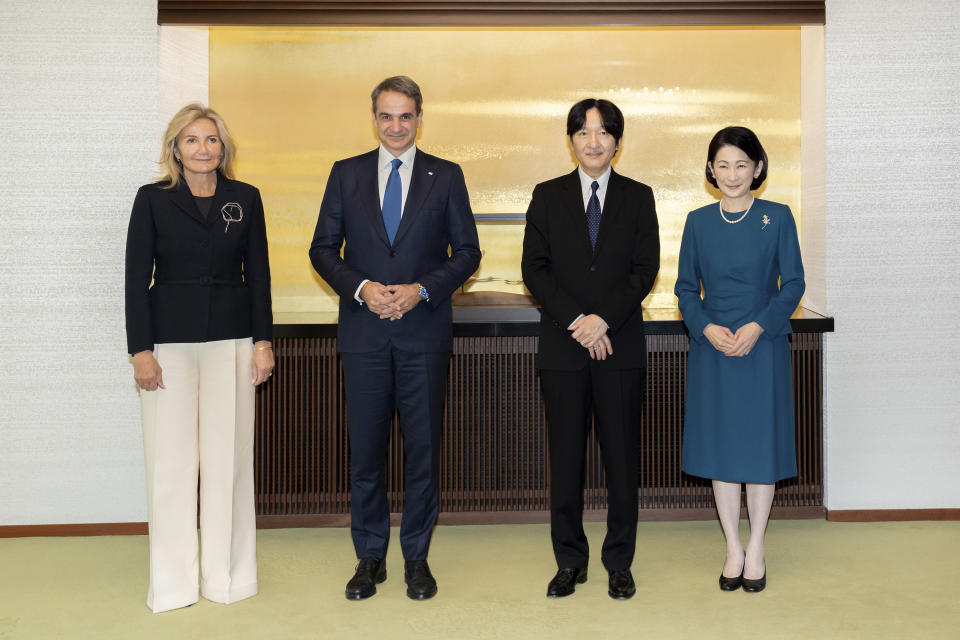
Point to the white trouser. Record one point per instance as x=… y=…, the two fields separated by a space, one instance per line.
x=202 y=423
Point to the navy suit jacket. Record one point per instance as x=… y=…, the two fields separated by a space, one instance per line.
x=568 y=277
x=210 y=279
x=436 y=245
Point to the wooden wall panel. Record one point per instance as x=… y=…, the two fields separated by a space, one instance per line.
x=494 y=464
x=491 y=12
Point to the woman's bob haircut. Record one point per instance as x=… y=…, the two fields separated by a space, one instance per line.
x=743 y=139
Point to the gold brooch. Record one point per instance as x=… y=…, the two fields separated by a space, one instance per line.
x=766 y=221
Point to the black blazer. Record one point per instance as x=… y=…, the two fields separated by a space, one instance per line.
x=568 y=278
x=211 y=278
x=436 y=217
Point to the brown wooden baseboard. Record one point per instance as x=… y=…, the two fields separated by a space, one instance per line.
x=66 y=530
x=891 y=515
x=446 y=518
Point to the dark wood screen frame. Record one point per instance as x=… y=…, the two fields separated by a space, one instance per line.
x=586 y=13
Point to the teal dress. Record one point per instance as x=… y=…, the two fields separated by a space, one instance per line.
x=738 y=422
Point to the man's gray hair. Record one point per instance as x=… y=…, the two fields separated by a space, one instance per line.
x=400 y=84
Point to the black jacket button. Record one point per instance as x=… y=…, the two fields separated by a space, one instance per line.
x=593 y=267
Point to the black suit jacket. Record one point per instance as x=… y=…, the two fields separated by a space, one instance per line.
x=211 y=279
x=568 y=278
x=436 y=217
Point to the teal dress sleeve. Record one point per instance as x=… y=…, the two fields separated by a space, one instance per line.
x=687 y=288
x=775 y=317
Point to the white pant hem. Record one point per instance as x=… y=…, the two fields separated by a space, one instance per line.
x=230 y=595
x=172 y=601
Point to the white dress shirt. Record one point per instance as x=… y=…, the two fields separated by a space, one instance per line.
x=384 y=167
x=405 y=170
x=586 y=181
x=586 y=188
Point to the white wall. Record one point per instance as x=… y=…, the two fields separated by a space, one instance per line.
x=78 y=113
x=893 y=240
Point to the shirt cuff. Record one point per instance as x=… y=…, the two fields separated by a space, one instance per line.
x=356 y=294
x=570 y=327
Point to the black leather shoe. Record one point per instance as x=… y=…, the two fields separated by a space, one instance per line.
x=755 y=586
x=420 y=582
x=370 y=572
x=566 y=581
x=621 y=585
x=731 y=584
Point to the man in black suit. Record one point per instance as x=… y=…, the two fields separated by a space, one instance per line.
x=591 y=251
x=395 y=211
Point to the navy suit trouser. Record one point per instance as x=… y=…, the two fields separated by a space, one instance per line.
x=415 y=384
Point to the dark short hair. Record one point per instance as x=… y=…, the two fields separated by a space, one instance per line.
x=400 y=84
x=743 y=139
x=609 y=113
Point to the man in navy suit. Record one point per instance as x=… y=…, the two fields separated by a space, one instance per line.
x=409 y=241
x=591 y=252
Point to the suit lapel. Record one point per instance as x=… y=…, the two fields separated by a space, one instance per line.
x=185 y=202
x=612 y=206
x=424 y=176
x=188 y=204
x=369 y=192
x=224 y=194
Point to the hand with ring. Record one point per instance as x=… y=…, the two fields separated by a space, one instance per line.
x=601 y=348
x=263 y=363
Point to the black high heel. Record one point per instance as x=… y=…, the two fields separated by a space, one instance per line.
x=732 y=584
x=755 y=586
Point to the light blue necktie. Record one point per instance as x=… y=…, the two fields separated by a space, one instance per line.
x=593 y=214
x=391 y=201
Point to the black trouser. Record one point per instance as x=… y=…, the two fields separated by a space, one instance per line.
x=615 y=398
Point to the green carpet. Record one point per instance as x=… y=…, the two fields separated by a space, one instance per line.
x=825 y=580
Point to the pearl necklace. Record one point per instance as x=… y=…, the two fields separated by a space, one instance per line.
x=720 y=204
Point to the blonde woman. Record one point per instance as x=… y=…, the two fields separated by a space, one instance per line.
x=199 y=330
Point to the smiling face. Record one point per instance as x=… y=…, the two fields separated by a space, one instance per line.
x=734 y=172
x=198 y=147
x=397 y=121
x=593 y=145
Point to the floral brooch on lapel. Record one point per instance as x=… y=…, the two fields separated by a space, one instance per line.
x=231 y=212
x=766 y=221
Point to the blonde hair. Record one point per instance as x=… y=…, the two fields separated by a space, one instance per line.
x=170 y=169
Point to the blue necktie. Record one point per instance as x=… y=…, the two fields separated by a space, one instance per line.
x=391 y=201
x=593 y=214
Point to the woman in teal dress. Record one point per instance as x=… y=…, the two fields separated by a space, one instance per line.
x=738 y=420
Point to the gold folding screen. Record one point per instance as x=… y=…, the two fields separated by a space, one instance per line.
x=495 y=101
x=297 y=99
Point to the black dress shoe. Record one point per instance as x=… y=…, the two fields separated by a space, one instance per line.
x=731 y=584
x=420 y=582
x=566 y=581
x=755 y=586
x=621 y=585
x=370 y=572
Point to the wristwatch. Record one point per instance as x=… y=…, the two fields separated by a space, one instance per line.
x=423 y=292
